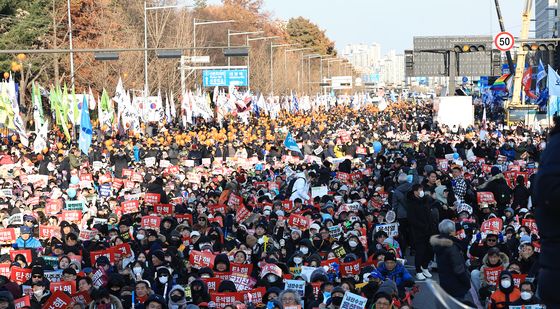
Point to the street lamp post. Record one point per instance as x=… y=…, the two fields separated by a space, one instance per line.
x=233 y=33
x=146 y=9
x=286 y=61
x=309 y=57
x=70 y=39
x=248 y=67
x=199 y=22
x=272 y=46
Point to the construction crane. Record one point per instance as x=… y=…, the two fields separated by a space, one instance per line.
x=516 y=103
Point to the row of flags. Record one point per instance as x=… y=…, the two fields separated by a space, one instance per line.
x=125 y=113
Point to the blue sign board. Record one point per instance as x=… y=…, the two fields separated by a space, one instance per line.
x=213 y=78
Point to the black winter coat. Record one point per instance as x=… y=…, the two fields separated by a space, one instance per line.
x=453 y=274
x=419 y=217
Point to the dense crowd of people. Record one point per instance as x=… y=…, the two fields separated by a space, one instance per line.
x=223 y=215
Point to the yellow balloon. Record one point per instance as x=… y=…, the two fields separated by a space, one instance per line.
x=21 y=57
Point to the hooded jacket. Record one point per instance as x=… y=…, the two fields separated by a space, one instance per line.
x=399 y=200
x=504 y=262
x=182 y=303
x=504 y=297
x=453 y=274
x=114 y=301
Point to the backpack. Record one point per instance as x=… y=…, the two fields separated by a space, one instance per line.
x=290 y=187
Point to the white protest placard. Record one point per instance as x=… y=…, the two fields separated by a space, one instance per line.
x=99 y=221
x=353 y=301
x=318 y=151
x=6 y=192
x=296 y=285
x=306 y=272
x=16 y=219
x=319 y=191
x=151 y=161
x=164 y=163
x=206 y=161
x=391 y=229
x=189 y=163
x=97 y=165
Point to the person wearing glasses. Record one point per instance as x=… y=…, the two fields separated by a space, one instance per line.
x=289 y=298
x=102 y=299
x=38 y=276
x=382 y=301
x=479 y=249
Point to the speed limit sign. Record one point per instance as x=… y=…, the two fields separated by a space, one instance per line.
x=504 y=41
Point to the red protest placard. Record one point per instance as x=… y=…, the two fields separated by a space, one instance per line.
x=217 y=219
x=130 y=207
x=58 y=300
x=86 y=177
x=25 y=301
x=486 y=168
x=273 y=186
x=64 y=286
x=25 y=252
x=329 y=262
x=271 y=269
x=127 y=172
x=32 y=201
x=518 y=278
x=46 y=232
x=122 y=250
x=492 y=274
x=234 y=200
x=242 y=214
x=532 y=224
x=53 y=207
x=356 y=176
x=254 y=296
x=163 y=209
x=152 y=198
x=287 y=205
x=20 y=275
x=221 y=208
x=152 y=222
x=350 y=269
x=172 y=170
x=7 y=236
x=344 y=177
x=201 y=259
x=485 y=197
x=82 y=297
x=361 y=150
x=117 y=183
x=223 y=299
x=93 y=255
x=71 y=215
x=510 y=178
x=299 y=221
x=212 y=283
x=87 y=235
x=316 y=288
x=245 y=269
x=136 y=177
x=493 y=226
x=5 y=269
x=184 y=217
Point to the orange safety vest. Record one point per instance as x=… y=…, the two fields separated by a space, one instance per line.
x=500 y=300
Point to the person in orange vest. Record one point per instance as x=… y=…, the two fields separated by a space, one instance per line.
x=506 y=294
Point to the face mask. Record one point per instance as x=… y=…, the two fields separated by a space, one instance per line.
x=526 y=295
x=421 y=194
x=506 y=283
x=163 y=279
x=267 y=212
x=38 y=293
x=272 y=278
x=352 y=243
x=298 y=260
x=175 y=298
x=140 y=236
x=137 y=270
x=378 y=166
x=304 y=250
x=337 y=300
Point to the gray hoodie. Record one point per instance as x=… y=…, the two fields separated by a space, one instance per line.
x=182 y=303
x=399 y=199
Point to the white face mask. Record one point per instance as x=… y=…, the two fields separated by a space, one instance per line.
x=526 y=295
x=352 y=243
x=140 y=236
x=38 y=293
x=137 y=270
x=272 y=278
x=421 y=194
x=267 y=212
x=298 y=260
x=304 y=250
x=163 y=279
x=506 y=283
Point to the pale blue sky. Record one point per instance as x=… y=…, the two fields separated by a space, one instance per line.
x=394 y=23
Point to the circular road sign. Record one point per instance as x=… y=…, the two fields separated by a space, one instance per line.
x=504 y=41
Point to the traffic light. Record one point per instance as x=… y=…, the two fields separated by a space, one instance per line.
x=542 y=46
x=467 y=48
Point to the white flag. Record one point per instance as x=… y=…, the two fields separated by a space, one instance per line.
x=173 y=111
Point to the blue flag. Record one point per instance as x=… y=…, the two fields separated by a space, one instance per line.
x=295 y=104
x=553 y=82
x=290 y=143
x=541 y=74
x=85 y=129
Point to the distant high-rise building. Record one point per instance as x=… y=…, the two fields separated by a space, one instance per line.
x=546 y=18
x=392 y=69
x=363 y=57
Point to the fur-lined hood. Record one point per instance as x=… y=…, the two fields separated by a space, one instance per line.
x=495 y=177
x=503 y=257
x=441 y=241
x=114 y=301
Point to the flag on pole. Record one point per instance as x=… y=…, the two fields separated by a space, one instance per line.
x=291 y=144
x=40 y=142
x=85 y=129
x=173 y=111
x=553 y=82
x=17 y=120
x=37 y=107
x=91 y=100
x=500 y=83
x=167 y=109
x=527 y=81
x=541 y=74
x=484 y=118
